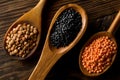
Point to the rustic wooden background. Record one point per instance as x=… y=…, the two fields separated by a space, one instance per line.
x=100 y=15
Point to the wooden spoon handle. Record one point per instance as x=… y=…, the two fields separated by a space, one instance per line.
x=113 y=27
x=39 y=7
x=45 y=63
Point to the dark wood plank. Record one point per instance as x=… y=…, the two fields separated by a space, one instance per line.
x=100 y=14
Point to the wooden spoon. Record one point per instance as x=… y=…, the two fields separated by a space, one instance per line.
x=50 y=54
x=113 y=27
x=32 y=17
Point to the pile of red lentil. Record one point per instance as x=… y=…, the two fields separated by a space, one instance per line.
x=21 y=40
x=98 y=55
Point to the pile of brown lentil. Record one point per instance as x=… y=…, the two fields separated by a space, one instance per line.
x=21 y=40
x=97 y=56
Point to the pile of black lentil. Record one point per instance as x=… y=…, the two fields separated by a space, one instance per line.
x=66 y=28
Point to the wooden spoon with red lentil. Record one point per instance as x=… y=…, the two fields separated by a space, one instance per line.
x=23 y=36
x=99 y=52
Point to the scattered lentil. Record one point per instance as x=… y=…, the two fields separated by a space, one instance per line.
x=66 y=28
x=20 y=39
x=97 y=56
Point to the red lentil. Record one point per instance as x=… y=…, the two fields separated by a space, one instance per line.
x=98 y=54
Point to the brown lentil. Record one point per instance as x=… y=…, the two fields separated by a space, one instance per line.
x=20 y=40
x=97 y=56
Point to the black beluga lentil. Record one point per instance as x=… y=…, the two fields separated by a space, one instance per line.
x=66 y=28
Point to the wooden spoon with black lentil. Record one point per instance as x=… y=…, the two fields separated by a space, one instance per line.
x=66 y=29
x=23 y=36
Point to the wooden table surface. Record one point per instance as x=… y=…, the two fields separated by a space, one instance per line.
x=100 y=15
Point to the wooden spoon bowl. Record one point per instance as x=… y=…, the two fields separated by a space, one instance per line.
x=50 y=55
x=33 y=17
x=97 y=35
x=83 y=14
x=108 y=33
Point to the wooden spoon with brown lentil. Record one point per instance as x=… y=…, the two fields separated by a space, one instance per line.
x=99 y=52
x=64 y=32
x=23 y=36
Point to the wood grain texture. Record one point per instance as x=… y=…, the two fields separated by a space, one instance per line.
x=100 y=14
